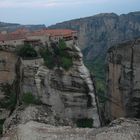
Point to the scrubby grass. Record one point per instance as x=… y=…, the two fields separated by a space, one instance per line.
x=1 y=126
x=29 y=98
x=97 y=68
x=26 y=51
x=85 y=123
x=9 y=100
x=57 y=56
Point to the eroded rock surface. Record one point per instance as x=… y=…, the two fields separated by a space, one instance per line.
x=124 y=80
x=38 y=113
x=121 y=129
x=8 y=61
x=70 y=93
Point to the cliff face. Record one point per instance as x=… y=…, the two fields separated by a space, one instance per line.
x=99 y=32
x=7 y=80
x=123 y=80
x=65 y=97
x=69 y=93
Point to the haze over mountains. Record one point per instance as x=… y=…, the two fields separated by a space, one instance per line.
x=13 y=26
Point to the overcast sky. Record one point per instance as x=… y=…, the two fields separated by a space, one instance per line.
x=52 y=11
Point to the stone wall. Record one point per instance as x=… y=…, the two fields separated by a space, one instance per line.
x=7 y=76
x=7 y=67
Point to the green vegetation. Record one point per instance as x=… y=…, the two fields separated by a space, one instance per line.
x=57 y=56
x=27 y=51
x=85 y=123
x=48 y=58
x=97 y=68
x=9 y=100
x=66 y=62
x=29 y=98
x=1 y=125
x=62 y=44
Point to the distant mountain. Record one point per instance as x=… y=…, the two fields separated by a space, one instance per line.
x=14 y=26
x=100 y=32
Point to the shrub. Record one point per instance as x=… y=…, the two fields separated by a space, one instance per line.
x=27 y=51
x=48 y=58
x=1 y=125
x=85 y=123
x=29 y=98
x=62 y=44
x=9 y=100
x=66 y=62
x=58 y=56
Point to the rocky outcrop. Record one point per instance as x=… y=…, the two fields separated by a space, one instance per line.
x=98 y=33
x=7 y=67
x=69 y=93
x=123 y=80
x=121 y=129
x=64 y=97
x=7 y=80
x=39 y=113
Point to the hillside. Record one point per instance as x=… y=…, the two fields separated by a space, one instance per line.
x=98 y=33
x=14 y=26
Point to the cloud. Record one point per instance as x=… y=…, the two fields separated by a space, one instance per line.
x=45 y=3
x=56 y=3
x=27 y=3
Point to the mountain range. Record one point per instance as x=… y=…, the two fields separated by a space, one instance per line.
x=13 y=26
x=98 y=33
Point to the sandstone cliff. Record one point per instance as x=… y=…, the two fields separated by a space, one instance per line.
x=123 y=80
x=61 y=97
x=70 y=93
x=7 y=81
x=98 y=33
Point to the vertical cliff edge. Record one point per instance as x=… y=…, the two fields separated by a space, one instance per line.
x=51 y=96
x=123 y=80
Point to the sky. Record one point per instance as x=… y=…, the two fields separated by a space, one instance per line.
x=49 y=12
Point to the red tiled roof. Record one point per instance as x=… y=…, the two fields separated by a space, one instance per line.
x=21 y=31
x=8 y=37
x=54 y=32
x=37 y=33
x=59 y=32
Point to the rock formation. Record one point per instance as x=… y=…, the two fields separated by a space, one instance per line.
x=70 y=93
x=98 y=33
x=123 y=80
x=61 y=97
x=7 y=80
x=122 y=129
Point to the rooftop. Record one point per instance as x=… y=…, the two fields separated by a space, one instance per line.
x=23 y=33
